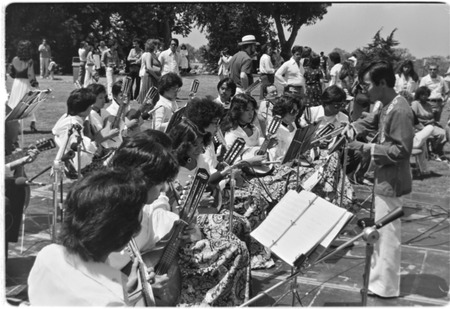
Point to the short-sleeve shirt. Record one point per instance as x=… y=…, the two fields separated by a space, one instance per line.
x=241 y=62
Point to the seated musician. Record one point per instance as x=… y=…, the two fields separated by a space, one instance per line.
x=332 y=99
x=239 y=123
x=102 y=214
x=200 y=284
x=287 y=107
x=169 y=86
x=110 y=113
x=266 y=105
x=226 y=89
x=328 y=186
x=96 y=130
x=71 y=124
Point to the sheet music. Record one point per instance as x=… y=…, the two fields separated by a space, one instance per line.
x=297 y=224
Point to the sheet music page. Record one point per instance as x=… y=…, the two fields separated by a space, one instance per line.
x=296 y=224
x=335 y=231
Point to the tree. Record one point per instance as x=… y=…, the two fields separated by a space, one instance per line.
x=292 y=15
x=380 y=49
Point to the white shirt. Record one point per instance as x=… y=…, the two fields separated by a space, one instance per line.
x=290 y=73
x=61 y=131
x=111 y=111
x=334 y=75
x=250 y=141
x=436 y=85
x=157 y=221
x=284 y=139
x=265 y=65
x=163 y=114
x=170 y=62
x=318 y=115
x=402 y=83
x=59 y=278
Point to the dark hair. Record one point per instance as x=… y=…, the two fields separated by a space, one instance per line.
x=238 y=105
x=333 y=94
x=229 y=83
x=334 y=57
x=315 y=61
x=150 y=45
x=285 y=104
x=102 y=213
x=79 y=101
x=265 y=48
x=96 y=88
x=296 y=49
x=183 y=136
x=82 y=43
x=378 y=70
x=148 y=151
x=168 y=81
x=175 y=40
x=183 y=46
x=24 y=50
x=266 y=87
x=117 y=88
x=137 y=40
x=306 y=53
x=202 y=111
x=412 y=73
x=421 y=91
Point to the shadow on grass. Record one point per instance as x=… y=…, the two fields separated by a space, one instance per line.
x=426 y=285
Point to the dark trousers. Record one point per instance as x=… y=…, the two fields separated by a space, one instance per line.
x=135 y=79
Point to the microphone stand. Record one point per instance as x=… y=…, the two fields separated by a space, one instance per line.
x=58 y=171
x=369 y=234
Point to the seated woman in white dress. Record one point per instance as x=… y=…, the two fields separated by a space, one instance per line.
x=102 y=215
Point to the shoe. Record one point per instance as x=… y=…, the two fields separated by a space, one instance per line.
x=372 y=294
x=33 y=127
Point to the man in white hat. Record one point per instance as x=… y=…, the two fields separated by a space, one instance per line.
x=241 y=65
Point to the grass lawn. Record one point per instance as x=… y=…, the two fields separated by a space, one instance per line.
x=52 y=109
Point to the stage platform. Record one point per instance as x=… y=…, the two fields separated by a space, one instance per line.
x=425 y=272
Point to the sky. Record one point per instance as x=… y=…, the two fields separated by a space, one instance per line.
x=422 y=28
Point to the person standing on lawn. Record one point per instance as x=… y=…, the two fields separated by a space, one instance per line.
x=391 y=156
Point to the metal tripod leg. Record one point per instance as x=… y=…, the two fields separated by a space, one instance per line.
x=293 y=290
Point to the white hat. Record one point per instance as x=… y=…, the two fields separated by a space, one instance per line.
x=248 y=39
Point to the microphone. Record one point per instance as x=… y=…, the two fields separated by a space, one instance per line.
x=393 y=215
x=68 y=155
x=74 y=147
x=22 y=181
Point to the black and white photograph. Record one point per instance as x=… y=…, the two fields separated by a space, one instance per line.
x=225 y=154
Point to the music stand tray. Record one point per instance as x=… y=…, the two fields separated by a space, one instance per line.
x=301 y=143
x=27 y=105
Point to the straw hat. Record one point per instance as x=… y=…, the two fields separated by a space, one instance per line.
x=248 y=39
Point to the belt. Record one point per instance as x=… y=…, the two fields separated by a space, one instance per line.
x=267 y=74
x=435 y=100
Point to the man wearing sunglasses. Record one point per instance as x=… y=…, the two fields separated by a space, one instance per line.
x=439 y=89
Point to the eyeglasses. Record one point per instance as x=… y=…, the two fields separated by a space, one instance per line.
x=294 y=112
x=173 y=45
x=336 y=105
x=364 y=87
x=432 y=69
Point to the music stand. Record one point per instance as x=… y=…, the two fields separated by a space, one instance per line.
x=299 y=145
x=175 y=119
x=298 y=229
x=27 y=105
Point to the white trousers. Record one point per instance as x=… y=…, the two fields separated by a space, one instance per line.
x=384 y=277
x=110 y=80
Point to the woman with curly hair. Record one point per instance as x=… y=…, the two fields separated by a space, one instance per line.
x=22 y=71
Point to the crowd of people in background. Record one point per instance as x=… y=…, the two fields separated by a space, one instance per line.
x=384 y=115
